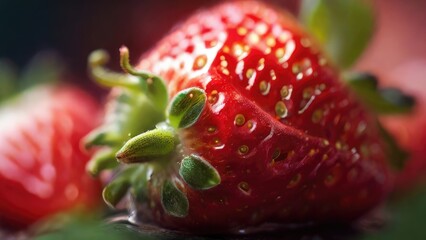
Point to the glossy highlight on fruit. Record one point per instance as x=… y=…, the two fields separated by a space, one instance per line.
x=263 y=128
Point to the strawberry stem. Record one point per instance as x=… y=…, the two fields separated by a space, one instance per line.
x=103 y=76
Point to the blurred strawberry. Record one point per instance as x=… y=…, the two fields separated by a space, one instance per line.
x=42 y=167
x=410 y=130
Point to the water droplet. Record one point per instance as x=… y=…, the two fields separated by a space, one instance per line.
x=264 y=87
x=281 y=109
x=242 y=31
x=294 y=181
x=285 y=92
x=244 y=187
x=213 y=96
x=200 y=62
x=243 y=149
x=239 y=120
x=317 y=115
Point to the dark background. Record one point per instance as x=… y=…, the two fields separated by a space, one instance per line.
x=75 y=28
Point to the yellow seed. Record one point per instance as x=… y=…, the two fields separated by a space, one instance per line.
x=281 y=109
x=276 y=154
x=243 y=149
x=213 y=96
x=225 y=71
x=250 y=124
x=270 y=41
x=285 y=92
x=253 y=38
x=211 y=129
x=239 y=120
x=305 y=42
x=317 y=115
x=294 y=181
x=249 y=73
x=224 y=63
x=242 y=31
x=244 y=186
x=273 y=75
x=200 y=62
x=237 y=50
x=279 y=53
x=226 y=49
x=264 y=87
x=261 y=64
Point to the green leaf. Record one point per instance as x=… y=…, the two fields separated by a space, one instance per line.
x=156 y=91
x=406 y=219
x=8 y=79
x=380 y=100
x=44 y=68
x=139 y=181
x=343 y=27
x=186 y=107
x=102 y=160
x=148 y=146
x=397 y=157
x=118 y=187
x=173 y=200
x=198 y=173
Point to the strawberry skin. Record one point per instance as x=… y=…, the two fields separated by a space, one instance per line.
x=42 y=167
x=288 y=142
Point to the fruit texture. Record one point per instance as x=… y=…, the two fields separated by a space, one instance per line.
x=260 y=127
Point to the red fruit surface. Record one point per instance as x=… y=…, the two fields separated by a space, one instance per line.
x=306 y=150
x=42 y=167
x=410 y=130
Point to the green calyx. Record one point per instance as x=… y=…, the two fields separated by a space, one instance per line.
x=198 y=173
x=148 y=146
x=141 y=131
x=186 y=107
x=174 y=201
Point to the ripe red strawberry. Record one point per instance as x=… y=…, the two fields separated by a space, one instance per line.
x=42 y=166
x=260 y=128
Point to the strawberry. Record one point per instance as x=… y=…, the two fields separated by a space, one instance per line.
x=42 y=167
x=260 y=128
